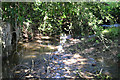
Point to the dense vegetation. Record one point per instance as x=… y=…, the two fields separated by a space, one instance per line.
x=55 y=18
x=75 y=18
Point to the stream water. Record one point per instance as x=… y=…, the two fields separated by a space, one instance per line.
x=114 y=25
x=48 y=58
x=27 y=54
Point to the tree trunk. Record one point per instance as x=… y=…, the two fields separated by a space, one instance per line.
x=0 y=50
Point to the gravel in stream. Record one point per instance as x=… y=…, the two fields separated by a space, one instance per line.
x=67 y=65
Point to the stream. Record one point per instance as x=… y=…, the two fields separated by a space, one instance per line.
x=51 y=57
x=114 y=25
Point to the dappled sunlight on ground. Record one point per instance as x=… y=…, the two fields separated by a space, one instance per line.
x=37 y=44
x=75 y=59
x=45 y=37
x=72 y=42
x=91 y=49
x=30 y=56
x=72 y=58
x=86 y=75
x=68 y=65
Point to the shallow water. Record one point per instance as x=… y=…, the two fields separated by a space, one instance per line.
x=26 y=52
x=34 y=53
x=114 y=25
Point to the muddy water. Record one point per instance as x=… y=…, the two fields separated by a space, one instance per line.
x=33 y=56
x=27 y=53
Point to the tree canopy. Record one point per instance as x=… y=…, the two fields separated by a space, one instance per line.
x=62 y=17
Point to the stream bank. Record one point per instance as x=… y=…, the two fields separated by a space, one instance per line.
x=82 y=59
x=71 y=58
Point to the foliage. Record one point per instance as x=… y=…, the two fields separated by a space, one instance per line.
x=103 y=77
x=54 y=18
x=111 y=32
x=118 y=55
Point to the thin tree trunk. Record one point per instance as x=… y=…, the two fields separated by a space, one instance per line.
x=0 y=51
x=0 y=41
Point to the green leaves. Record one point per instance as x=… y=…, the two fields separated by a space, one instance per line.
x=58 y=17
x=97 y=41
